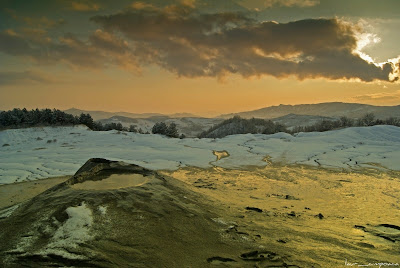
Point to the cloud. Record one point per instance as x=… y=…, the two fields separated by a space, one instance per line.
x=11 y=43
x=84 y=6
x=42 y=22
x=290 y=3
x=115 y=49
x=190 y=44
x=190 y=3
x=107 y=41
x=141 y=5
x=102 y=49
x=180 y=39
x=383 y=97
x=263 y=4
x=10 y=78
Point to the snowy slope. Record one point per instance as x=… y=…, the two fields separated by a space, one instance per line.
x=34 y=153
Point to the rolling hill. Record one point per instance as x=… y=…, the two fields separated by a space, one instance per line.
x=99 y=115
x=329 y=109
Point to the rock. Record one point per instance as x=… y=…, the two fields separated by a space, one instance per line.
x=359 y=227
x=390 y=226
x=292 y=214
x=219 y=260
x=284 y=196
x=203 y=184
x=259 y=210
x=365 y=245
x=388 y=232
x=258 y=255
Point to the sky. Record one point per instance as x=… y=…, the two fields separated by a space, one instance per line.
x=205 y=57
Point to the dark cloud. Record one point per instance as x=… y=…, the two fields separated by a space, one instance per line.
x=193 y=45
x=100 y=50
x=41 y=22
x=109 y=42
x=10 y=78
x=189 y=43
x=11 y=43
x=68 y=48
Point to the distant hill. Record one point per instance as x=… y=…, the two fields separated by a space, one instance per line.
x=329 y=109
x=287 y=115
x=99 y=115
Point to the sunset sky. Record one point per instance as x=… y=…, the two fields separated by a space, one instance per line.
x=205 y=57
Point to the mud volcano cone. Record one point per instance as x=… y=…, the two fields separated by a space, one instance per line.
x=113 y=214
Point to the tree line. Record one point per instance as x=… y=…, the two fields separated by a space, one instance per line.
x=22 y=118
x=343 y=122
x=19 y=118
x=238 y=125
x=168 y=130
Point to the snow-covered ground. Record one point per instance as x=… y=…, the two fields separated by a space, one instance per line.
x=35 y=153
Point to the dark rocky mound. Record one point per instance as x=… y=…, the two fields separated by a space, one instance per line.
x=155 y=223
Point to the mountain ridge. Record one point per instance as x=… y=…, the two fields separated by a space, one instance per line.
x=98 y=115
x=329 y=109
x=323 y=109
